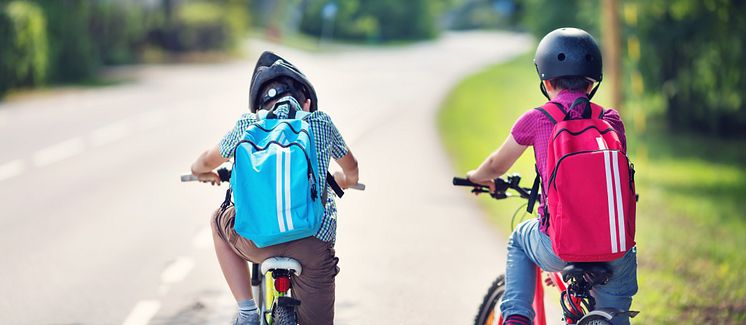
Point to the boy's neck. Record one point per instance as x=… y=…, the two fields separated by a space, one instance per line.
x=566 y=93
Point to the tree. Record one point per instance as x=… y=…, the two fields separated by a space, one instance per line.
x=692 y=53
x=378 y=19
x=23 y=45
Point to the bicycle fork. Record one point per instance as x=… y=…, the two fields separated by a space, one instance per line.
x=271 y=290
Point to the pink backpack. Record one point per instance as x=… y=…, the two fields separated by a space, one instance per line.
x=591 y=191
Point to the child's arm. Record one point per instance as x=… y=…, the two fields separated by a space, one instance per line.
x=497 y=163
x=205 y=164
x=349 y=174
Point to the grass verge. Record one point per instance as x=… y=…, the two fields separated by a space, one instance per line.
x=690 y=220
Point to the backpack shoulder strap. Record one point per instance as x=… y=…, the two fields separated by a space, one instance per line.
x=597 y=111
x=262 y=114
x=591 y=110
x=299 y=115
x=333 y=184
x=534 y=192
x=554 y=111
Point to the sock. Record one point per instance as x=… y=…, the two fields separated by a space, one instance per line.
x=517 y=320
x=247 y=309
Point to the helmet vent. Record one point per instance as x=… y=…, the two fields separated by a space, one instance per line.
x=561 y=57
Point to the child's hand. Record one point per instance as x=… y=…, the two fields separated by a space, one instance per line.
x=473 y=176
x=341 y=180
x=210 y=177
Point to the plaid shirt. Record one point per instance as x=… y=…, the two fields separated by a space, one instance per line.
x=328 y=142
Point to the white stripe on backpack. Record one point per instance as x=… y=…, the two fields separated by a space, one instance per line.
x=288 y=215
x=278 y=190
x=619 y=208
x=609 y=195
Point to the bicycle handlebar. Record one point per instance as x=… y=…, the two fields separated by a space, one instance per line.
x=501 y=187
x=224 y=173
x=458 y=181
x=225 y=176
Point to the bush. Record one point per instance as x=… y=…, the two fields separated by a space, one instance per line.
x=67 y=41
x=200 y=27
x=692 y=54
x=543 y=16
x=72 y=49
x=23 y=46
x=119 y=31
x=204 y=26
x=483 y=14
x=377 y=19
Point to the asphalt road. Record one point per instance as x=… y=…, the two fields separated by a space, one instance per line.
x=95 y=227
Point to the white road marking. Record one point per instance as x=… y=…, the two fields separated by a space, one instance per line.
x=57 y=152
x=110 y=133
x=142 y=313
x=11 y=169
x=203 y=239
x=154 y=118
x=177 y=271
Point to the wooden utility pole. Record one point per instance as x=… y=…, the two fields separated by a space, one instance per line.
x=612 y=51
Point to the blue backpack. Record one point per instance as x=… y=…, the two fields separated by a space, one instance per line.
x=275 y=181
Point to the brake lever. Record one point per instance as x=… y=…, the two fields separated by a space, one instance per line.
x=478 y=190
x=499 y=195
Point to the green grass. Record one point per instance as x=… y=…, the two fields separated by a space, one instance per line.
x=691 y=219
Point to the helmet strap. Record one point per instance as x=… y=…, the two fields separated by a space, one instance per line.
x=544 y=89
x=593 y=92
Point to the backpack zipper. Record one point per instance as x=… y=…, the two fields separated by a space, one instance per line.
x=556 y=166
x=311 y=176
x=583 y=130
x=281 y=122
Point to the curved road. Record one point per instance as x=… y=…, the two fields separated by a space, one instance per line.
x=96 y=229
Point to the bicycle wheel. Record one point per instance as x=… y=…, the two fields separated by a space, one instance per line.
x=488 y=314
x=284 y=315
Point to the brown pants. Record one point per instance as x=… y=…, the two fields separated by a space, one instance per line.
x=314 y=287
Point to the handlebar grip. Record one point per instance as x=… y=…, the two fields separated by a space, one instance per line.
x=224 y=173
x=358 y=186
x=188 y=178
x=458 y=181
x=500 y=184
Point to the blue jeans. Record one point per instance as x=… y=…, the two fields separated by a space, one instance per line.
x=528 y=247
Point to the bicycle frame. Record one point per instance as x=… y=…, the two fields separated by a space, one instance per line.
x=271 y=286
x=265 y=275
x=260 y=290
x=538 y=305
x=576 y=303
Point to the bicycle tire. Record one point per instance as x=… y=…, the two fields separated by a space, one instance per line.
x=284 y=315
x=487 y=312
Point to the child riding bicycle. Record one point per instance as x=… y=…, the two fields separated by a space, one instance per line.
x=569 y=63
x=280 y=89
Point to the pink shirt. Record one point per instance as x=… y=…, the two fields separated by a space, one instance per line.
x=533 y=128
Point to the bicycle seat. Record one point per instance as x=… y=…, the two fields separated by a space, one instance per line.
x=280 y=262
x=593 y=272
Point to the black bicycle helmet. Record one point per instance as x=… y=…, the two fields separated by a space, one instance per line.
x=271 y=67
x=568 y=52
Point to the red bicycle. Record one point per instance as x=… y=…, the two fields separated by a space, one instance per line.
x=574 y=282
